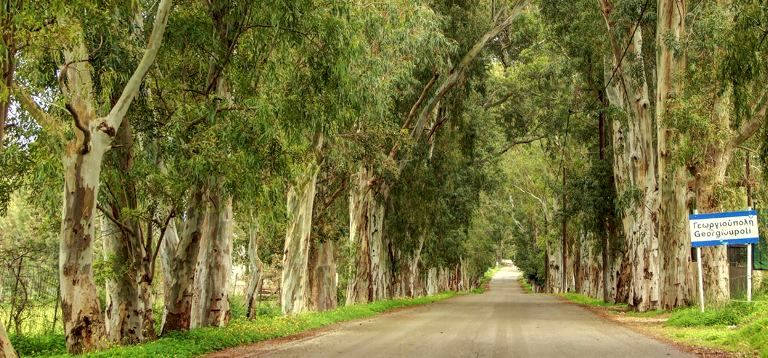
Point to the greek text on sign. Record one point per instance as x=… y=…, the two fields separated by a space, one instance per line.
x=735 y=227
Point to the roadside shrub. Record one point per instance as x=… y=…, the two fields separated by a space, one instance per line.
x=730 y=314
x=39 y=345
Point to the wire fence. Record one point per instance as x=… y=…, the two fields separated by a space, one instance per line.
x=29 y=293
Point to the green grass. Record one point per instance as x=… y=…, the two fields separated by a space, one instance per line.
x=588 y=301
x=240 y=331
x=485 y=280
x=736 y=326
x=525 y=284
x=730 y=314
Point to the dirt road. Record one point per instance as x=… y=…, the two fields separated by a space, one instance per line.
x=503 y=322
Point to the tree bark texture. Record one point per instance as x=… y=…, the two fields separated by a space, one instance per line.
x=6 y=348
x=255 y=267
x=371 y=277
x=181 y=287
x=634 y=163
x=673 y=214
x=82 y=316
x=214 y=265
x=323 y=283
x=295 y=289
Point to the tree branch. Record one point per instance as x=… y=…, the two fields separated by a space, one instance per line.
x=115 y=117
x=747 y=129
x=510 y=146
x=42 y=117
x=171 y=215
x=113 y=219
x=457 y=73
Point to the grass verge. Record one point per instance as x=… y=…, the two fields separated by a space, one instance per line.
x=242 y=331
x=737 y=327
x=525 y=284
x=486 y=279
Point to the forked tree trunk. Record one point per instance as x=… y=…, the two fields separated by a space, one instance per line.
x=294 y=289
x=323 y=280
x=370 y=279
x=181 y=287
x=83 y=320
x=210 y=300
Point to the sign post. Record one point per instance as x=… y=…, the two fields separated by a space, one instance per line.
x=713 y=229
x=749 y=272
x=701 y=278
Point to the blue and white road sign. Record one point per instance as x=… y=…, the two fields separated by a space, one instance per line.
x=735 y=227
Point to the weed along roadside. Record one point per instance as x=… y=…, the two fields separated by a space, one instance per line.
x=738 y=327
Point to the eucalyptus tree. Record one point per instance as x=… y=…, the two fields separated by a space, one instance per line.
x=720 y=105
x=199 y=104
x=83 y=159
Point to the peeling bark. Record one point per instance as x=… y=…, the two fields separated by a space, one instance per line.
x=673 y=214
x=634 y=163
x=180 y=289
x=255 y=266
x=125 y=310
x=210 y=306
x=323 y=280
x=370 y=280
x=294 y=289
x=83 y=320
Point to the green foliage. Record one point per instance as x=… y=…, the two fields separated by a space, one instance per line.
x=39 y=345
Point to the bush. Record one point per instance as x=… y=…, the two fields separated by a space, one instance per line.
x=730 y=314
x=39 y=345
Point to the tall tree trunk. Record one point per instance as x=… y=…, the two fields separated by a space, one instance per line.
x=709 y=179
x=167 y=251
x=210 y=300
x=129 y=316
x=323 y=276
x=125 y=311
x=371 y=277
x=82 y=316
x=673 y=218
x=634 y=162
x=414 y=267
x=294 y=289
x=181 y=288
x=255 y=267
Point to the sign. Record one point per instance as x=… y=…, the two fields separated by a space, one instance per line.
x=735 y=227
